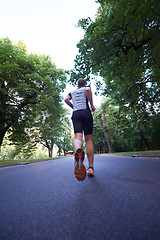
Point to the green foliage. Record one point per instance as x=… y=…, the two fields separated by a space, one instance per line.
x=99 y=141
x=20 y=151
x=122 y=45
x=50 y=130
x=124 y=134
x=152 y=131
x=64 y=140
x=30 y=94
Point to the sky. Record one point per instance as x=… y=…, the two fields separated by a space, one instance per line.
x=47 y=27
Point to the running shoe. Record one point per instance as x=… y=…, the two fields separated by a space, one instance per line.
x=90 y=171
x=80 y=170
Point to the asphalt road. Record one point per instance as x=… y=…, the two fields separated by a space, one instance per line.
x=44 y=201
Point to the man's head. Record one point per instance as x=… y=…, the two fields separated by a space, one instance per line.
x=81 y=83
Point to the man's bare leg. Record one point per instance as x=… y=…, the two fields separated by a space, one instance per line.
x=89 y=149
x=80 y=170
x=78 y=140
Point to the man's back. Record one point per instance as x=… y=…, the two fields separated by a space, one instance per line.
x=79 y=99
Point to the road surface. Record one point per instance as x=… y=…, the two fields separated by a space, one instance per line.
x=44 y=201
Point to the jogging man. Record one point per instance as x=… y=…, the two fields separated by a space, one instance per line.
x=82 y=123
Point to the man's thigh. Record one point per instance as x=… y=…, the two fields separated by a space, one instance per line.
x=88 y=123
x=77 y=122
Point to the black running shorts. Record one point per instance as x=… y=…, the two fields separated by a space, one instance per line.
x=83 y=121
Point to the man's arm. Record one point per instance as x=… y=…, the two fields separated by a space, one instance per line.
x=67 y=100
x=90 y=98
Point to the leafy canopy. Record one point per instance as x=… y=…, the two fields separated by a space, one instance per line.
x=30 y=86
x=122 y=45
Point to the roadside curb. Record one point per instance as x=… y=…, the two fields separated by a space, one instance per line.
x=25 y=163
x=150 y=156
x=15 y=164
x=138 y=155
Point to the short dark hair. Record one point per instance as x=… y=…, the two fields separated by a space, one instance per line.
x=81 y=82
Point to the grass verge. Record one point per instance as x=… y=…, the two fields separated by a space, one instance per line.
x=25 y=161
x=144 y=153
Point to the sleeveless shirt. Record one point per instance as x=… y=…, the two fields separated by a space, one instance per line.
x=79 y=99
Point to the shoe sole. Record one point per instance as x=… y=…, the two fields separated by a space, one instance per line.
x=90 y=174
x=80 y=170
x=80 y=174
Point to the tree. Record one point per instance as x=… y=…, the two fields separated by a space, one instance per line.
x=52 y=133
x=124 y=32
x=99 y=141
x=106 y=132
x=104 y=117
x=153 y=132
x=122 y=134
x=65 y=140
x=29 y=85
x=122 y=45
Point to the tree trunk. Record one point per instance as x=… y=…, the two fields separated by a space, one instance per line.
x=59 y=151
x=103 y=148
x=3 y=131
x=144 y=141
x=2 y=134
x=50 y=147
x=50 y=151
x=106 y=133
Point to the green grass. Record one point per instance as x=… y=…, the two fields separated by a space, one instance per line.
x=149 y=153
x=20 y=161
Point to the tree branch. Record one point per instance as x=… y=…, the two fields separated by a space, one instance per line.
x=21 y=105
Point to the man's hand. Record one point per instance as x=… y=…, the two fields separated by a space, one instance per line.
x=93 y=108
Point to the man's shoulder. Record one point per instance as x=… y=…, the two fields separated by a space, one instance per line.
x=73 y=90
x=88 y=87
x=82 y=89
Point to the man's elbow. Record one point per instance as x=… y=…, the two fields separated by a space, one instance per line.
x=66 y=99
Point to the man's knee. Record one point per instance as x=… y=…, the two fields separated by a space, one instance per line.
x=79 y=136
x=88 y=138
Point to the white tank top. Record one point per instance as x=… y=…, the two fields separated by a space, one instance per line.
x=79 y=99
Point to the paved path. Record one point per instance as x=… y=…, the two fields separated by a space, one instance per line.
x=44 y=201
